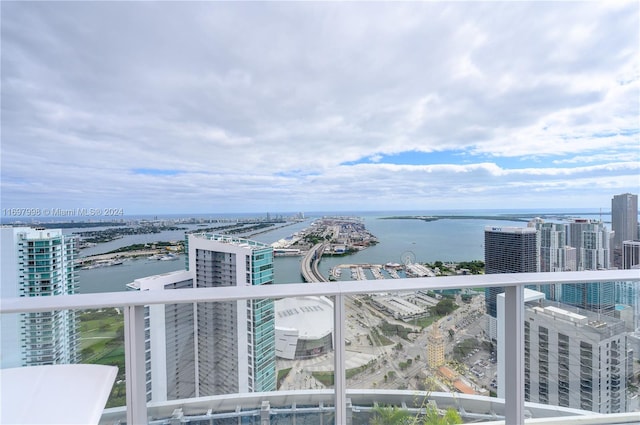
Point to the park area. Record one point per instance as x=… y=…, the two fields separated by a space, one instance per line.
x=102 y=342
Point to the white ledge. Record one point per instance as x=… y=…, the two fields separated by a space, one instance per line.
x=176 y=296
x=56 y=394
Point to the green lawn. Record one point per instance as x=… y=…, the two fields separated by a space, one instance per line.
x=102 y=342
x=327 y=378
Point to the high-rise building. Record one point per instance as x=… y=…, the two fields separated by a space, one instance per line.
x=553 y=247
x=571 y=258
x=631 y=254
x=591 y=240
x=38 y=262
x=599 y=297
x=555 y=254
x=628 y=295
x=624 y=223
x=206 y=349
x=588 y=250
x=507 y=250
x=574 y=358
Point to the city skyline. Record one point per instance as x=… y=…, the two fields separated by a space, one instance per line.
x=198 y=107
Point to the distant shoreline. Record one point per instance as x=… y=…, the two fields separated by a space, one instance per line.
x=505 y=217
x=455 y=217
x=125 y=220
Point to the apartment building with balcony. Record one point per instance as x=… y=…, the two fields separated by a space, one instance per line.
x=38 y=262
x=205 y=349
x=582 y=244
x=574 y=358
x=592 y=240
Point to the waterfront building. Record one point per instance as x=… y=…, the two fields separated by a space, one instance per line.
x=592 y=241
x=38 y=262
x=624 y=223
x=507 y=250
x=575 y=358
x=204 y=349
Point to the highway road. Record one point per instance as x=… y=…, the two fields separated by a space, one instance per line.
x=309 y=264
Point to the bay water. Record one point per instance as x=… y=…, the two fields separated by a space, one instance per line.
x=426 y=242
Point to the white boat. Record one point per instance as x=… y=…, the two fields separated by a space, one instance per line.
x=169 y=257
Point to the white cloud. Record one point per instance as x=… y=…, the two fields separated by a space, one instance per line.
x=238 y=95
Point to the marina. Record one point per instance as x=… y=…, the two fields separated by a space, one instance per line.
x=446 y=240
x=357 y=271
x=117 y=258
x=102 y=263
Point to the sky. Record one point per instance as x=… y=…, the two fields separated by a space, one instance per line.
x=204 y=107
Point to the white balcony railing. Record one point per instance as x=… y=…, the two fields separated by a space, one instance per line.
x=133 y=304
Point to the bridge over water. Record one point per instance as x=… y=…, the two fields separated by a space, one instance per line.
x=309 y=264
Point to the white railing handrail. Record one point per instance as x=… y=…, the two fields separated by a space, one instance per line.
x=176 y=296
x=133 y=303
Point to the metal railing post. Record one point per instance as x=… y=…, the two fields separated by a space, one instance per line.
x=514 y=354
x=135 y=365
x=339 y=376
x=265 y=413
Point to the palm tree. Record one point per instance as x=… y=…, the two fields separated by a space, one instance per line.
x=432 y=417
x=392 y=415
x=389 y=415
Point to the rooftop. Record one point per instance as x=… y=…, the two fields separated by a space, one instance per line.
x=241 y=242
x=311 y=316
x=579 y=316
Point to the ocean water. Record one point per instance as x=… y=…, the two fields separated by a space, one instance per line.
x=444 y=240
x=115 y=278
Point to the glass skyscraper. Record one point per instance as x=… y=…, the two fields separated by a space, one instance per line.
x=507 y=250
x=38 y=262
x=624 y=223
x=597 y=297
x=212 y=348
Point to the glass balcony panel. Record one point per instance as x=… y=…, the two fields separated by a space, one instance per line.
x=417 y=344
x=100 y=340
x=396 y=348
